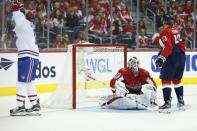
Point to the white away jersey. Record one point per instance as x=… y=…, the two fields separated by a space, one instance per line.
x=25 y=36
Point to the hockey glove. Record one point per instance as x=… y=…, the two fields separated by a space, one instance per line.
x=159 y=61
x=121 y=90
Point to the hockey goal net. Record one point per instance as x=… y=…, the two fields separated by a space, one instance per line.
x=86 y=75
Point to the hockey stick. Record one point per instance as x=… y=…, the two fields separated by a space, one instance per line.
x=110 y=101
x=93 y=78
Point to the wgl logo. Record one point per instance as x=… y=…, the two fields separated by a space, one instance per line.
x=153 y=66
x=5 y=63
x=99 y=64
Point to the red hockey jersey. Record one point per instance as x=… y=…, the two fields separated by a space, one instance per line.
x=132 y=83
x=169 y=37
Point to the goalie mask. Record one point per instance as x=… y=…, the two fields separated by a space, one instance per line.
x=134 y=64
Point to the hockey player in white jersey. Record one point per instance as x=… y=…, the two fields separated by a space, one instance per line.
x=28 y=60
x=132 y=87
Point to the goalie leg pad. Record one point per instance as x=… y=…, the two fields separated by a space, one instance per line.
x=133 y=102
x=123 y=103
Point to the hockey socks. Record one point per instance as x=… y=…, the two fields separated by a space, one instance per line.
x=167 y=94
x=165 y=108
x=179 y=92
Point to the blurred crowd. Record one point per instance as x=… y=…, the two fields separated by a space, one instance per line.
x=182 y=11
x=62 y=21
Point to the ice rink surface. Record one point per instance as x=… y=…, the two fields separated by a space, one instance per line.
x=92 y=118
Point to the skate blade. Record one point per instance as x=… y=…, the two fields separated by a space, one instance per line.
x=34 y=113
x=184 y=108
x=181 y=108
x=18 y=114
x=166 y=111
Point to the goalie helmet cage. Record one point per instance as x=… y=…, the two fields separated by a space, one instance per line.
x=121 y=47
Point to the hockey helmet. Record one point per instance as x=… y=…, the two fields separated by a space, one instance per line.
x=134 y=64
x=168 y=20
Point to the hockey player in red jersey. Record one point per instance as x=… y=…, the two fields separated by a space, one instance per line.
x=171 y=60
x=133 y=88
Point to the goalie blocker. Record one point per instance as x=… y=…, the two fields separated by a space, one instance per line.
x=132 y=88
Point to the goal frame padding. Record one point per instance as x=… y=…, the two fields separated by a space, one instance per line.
x=124 y=46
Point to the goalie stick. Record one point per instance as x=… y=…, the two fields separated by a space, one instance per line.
x=110 y=101
x=93 y=78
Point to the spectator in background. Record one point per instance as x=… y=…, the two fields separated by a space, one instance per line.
x=83 y=39
x=126 y=13
x=188 y=30
x=194 y=15
x=129 y=28
x=41 y=11
x=75 y=5
x=98 y=25
x=61 y=42
x=143 y=5
x=65 y=41
x=58 y=41
x=188 y=8
x=90 y=15
x=72 y=19
x=117 y=27
x=142 y=25
x=143 y=41
x=9 y=40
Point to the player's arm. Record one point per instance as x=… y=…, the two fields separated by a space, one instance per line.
x=18 y=19
x=166 y=45
x=118 y=86
x=117 y=77
x=164 y=41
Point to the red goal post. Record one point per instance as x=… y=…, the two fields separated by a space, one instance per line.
x=100 y=48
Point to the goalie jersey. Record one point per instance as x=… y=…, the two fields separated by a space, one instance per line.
x=132 y=83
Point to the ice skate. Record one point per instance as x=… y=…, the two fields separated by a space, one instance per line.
x=34 y=110
x=181 y=104
x=18 y=111
x=165 y=108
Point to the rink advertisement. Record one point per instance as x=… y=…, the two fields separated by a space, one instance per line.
x=52 y=69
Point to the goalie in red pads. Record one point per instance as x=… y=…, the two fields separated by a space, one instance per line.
x=132 y=87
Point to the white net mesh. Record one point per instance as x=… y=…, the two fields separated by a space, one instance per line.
x=95 y=66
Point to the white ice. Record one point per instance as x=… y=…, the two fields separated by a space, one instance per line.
x=96 y=119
